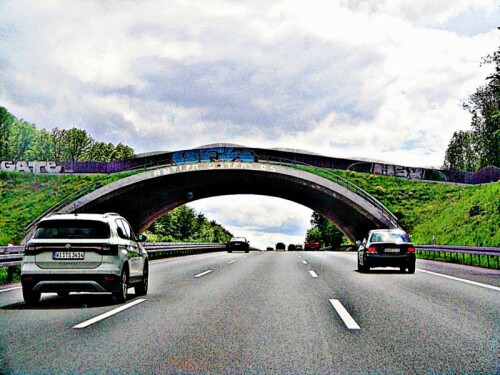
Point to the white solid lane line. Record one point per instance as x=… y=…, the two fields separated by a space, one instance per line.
x=203 y=273
x=313 y=274
x=108 y=314
x=10 y=289
x=344 y=314
x=461 y=280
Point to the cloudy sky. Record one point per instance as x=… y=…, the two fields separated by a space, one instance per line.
x=382 y=79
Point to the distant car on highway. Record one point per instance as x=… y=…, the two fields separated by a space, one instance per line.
x=270 y=248
x=311 y=245
x=386 y=248
x=299 y=246
x=291 y=247
x=84 y=253
x=238 y=243
x=280 y=246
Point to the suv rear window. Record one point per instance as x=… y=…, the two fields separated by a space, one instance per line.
x=72 y=229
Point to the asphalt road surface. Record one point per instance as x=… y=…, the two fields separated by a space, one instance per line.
x=264 y=313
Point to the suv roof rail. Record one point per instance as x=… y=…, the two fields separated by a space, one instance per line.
x=111 y=214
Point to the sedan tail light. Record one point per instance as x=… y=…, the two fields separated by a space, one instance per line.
x=411 y=249
x=372 y=249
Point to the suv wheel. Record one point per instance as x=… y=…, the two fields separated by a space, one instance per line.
x=31 y=297
x=141 y=289
x=121 y=294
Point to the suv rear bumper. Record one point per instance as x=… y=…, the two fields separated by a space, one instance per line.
x=71 y=283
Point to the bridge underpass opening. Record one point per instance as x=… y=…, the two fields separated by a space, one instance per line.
x=144 y=197
x=263 y=220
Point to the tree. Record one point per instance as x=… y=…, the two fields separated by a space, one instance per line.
x=100 y=151
x=123 y=152
x=22 y=141
x=461 y=153
x=58 y=139
x=76 y=144
x=481 y=147
x=6 y=122
x=324 y=231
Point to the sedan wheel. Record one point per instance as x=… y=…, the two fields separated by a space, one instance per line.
x=411 y=268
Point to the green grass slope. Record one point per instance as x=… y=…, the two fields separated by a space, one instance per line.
x=24 y=197
x=456 y=215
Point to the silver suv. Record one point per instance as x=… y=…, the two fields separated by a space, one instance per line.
x=84 y=253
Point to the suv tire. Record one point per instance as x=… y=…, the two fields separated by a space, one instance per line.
x=30 y=297
x=141 y=289
x=121 y=294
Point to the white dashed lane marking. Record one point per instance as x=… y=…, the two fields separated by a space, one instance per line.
x=203 y=273
x=108 y=314
x=344 y=314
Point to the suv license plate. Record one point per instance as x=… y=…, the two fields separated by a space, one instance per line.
x=71 y=255
x=392 y=250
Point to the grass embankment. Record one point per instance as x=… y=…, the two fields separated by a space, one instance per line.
x=454 y=214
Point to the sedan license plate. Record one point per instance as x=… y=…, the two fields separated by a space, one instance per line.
x=392 y=250
x=70 y=255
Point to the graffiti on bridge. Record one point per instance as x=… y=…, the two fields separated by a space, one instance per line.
x=410 y=173
x=214 y=154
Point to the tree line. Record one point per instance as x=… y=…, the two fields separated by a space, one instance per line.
x=184 y=224
x=473 y=149
x=21 y=140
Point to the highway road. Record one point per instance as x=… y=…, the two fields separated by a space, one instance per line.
x=263 y=313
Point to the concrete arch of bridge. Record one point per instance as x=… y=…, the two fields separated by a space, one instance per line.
x=144 y=197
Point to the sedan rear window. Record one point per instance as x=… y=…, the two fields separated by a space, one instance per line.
x=90 y=229
x=390 y=237
x=238 y=239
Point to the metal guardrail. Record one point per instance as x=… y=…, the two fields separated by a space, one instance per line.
x=446 y=252
x=11 y=256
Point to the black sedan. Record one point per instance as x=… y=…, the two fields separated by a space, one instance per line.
x=386 y=248
x=238 y=243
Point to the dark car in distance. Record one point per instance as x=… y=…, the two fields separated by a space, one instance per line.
x=280 y=246
x=238 y=244
x=386 y=248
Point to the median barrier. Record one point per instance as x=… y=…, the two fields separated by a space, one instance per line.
x=11 y=256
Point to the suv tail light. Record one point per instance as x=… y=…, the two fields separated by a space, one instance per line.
x=108 y=249
x=372 y=249
x=411 y=249
x=29 y=249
